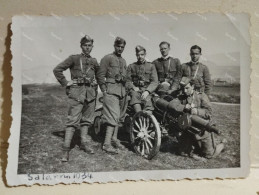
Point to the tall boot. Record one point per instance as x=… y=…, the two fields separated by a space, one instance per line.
x=207 y=147
x=107 y=142
x=66 y=146
x=115 y=142
x=137 y=107
x=85 y=140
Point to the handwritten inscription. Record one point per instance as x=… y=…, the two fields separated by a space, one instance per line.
x=62 y=176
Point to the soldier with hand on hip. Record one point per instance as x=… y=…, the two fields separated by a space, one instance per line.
x=198 y=71
x=196 y=103
x=111 y=79
x=168 y=70
x=141 y=81
x=82 y=92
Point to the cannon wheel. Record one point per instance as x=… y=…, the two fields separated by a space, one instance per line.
x=145 y=134
x=97 y=126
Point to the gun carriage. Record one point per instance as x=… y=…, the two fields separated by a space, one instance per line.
x=147 y=130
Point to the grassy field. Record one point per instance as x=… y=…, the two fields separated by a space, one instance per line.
x=228 y=94
x=44 y=111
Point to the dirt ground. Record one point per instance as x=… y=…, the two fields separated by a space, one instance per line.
x=44 y=111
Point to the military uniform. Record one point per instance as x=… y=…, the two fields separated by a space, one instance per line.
x=143 y=76
x=111 y=79
x=205 y=142
x=198 y=100
x=200 y=73
x=168 y=70
x=81 y=91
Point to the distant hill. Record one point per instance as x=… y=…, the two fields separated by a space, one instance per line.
x=228 y=65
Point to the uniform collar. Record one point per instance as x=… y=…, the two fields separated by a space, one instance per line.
x=165 y=58
x=116 y=54
x=85 y=55
x=194 y=63
x=139 y=63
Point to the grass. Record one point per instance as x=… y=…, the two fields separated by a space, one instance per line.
x=227 y=94
x=44 y=112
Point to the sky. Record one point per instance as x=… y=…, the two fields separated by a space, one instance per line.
x=47 y=41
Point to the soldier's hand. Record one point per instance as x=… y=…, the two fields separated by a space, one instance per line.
x=165 y=84
x=70 y=83
x=144 y=95
x=188 y=107
x=135 y=88
x=194 y=111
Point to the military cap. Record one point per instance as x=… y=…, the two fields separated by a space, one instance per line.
x=86 y=39
x=140 y=48
x=185 y=81
x=119 y=40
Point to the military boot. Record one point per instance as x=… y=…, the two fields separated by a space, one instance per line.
x=65 y=155
x=115 y=142
x=66 y=146
x=86 y=140
x=219 y=148
x=107 y=147
x=207 y=146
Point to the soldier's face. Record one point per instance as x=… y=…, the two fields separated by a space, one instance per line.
x=119 y=48
x=188 y=89
x=164 y=49
x=195 y=55
x=141 y=56
x=87 y=47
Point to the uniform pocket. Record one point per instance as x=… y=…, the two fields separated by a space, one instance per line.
x=147 y=75
x=77 y=93
x=171 y=74
x=90 y=94
x=111 y=88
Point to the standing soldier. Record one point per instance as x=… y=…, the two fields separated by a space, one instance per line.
x=198 y=71
x=168 y=70
x=196 y=103
x=111 y=79
x=141 y=81
x=81 y=91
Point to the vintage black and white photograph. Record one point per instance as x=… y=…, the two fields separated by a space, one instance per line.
x=134 y=96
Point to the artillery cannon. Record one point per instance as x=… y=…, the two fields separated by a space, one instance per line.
x=146 y=129
x=184 y=120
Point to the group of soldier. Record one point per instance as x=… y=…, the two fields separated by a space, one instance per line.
x=139 y=81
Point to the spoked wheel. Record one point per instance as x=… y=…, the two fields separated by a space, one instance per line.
x=97 y=126
x=145 y=134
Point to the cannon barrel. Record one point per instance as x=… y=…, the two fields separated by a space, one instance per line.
x=194 y=120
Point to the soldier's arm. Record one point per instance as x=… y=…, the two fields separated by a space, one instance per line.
x=96 y=66
x=177 y=105
x=129 y=84
x=154 y=80
x=58 y=70
x=205 y=111
x=207 y=80
x=178 y=76
x=101 y=73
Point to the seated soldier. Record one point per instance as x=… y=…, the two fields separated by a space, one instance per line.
x=196 y=103
x=141 y=81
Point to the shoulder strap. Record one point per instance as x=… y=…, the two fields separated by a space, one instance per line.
x=196 y=71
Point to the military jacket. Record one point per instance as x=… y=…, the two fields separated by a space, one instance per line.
x=168 y=69
x=198 y=100
x=200 y=73
x=143 y=76
x=79 y=65
x=112 y=69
